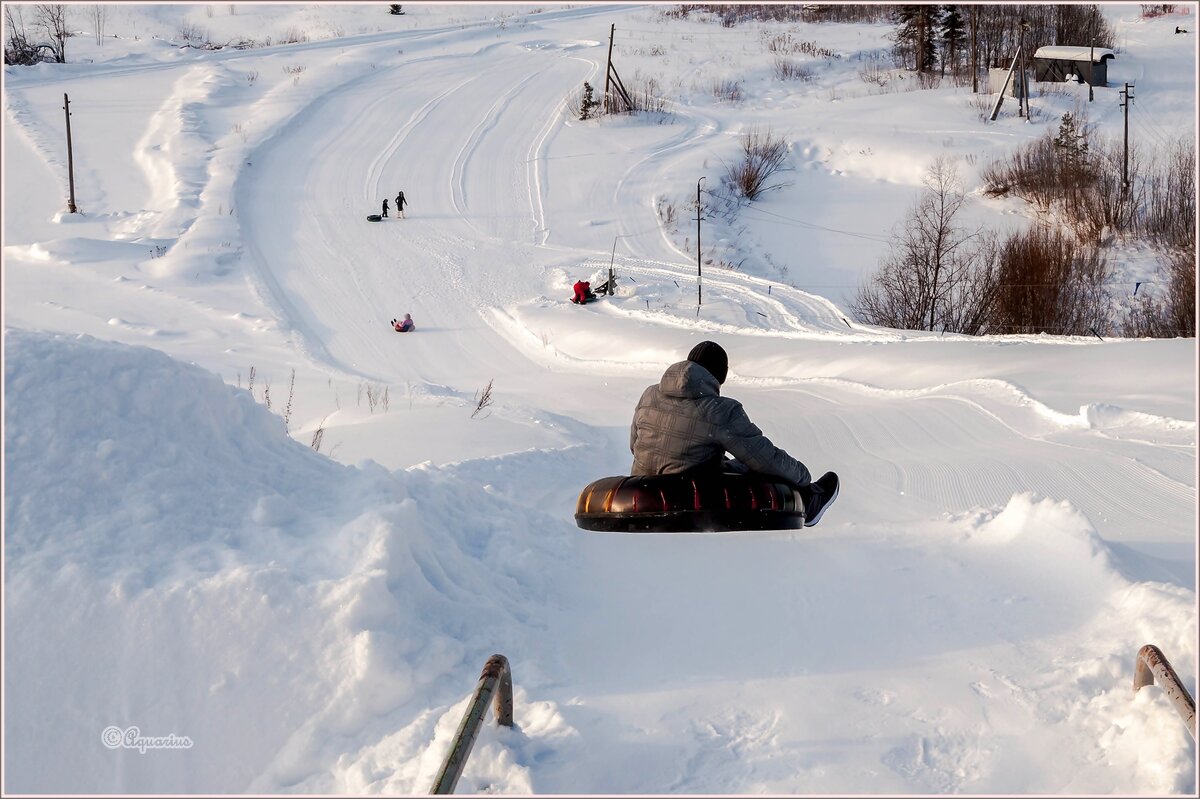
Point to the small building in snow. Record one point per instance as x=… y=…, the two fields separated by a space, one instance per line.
x=1060 y=62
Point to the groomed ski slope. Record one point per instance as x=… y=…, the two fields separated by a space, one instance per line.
x=1017 y=514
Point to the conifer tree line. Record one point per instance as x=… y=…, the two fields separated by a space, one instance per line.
x=937 y=38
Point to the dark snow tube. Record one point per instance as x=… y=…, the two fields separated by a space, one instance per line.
x=374 y=218
x=684 y=504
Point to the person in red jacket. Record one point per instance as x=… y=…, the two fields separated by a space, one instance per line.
x=583 y=292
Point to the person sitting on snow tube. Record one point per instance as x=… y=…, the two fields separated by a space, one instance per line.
x=583 y=292
x=405 y=325
x=682 y=424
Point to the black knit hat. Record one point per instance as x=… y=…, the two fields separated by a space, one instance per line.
x=712 y=357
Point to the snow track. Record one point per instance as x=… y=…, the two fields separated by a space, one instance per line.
x=473 y=232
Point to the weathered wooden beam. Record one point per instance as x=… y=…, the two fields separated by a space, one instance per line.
x=496 y=679
x=1152 y=665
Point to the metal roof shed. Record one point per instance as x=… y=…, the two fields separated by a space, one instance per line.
x=1058 y=62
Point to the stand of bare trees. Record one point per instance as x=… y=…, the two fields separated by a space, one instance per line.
x=1075 y=177
x=938 y=275
x=1075 y=181
x=52 y=19
x=730 y=14
x=98 y=14
x=49 y=20
x=18 y=49
x=1048 y=282
x=999 y=28
x=1053 y=277
x=1169 y=220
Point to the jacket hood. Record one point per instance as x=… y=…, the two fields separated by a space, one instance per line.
x=689 y=379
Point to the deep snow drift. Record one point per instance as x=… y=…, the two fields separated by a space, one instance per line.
x=1017 y=514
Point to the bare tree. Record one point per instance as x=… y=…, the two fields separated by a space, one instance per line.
x=52 y=19
x=1181 y=291
x=762 y=156
x=1050 y=283
x=937 y=273
x=98 y=14
x=1169 y=216
x=970 y=286
x=18 y=49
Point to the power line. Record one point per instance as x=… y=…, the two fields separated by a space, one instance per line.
x=685 y=34
x=1161 y=137
x=800 y=222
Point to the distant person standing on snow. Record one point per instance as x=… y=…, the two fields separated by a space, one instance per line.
x=400 y=203
x=384 y=207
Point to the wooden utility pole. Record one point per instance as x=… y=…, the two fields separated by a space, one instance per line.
x=1092 y=70
x=699 y=278
x=1020 y=84
x=608 y=66
x=612 y=80
x=1126 y=99
x=70 y=157
x=1091 y=66
x=1004 y=87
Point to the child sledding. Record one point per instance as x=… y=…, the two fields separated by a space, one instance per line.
x=404 y=325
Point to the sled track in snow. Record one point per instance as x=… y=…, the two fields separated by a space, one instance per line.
x=972 y=457
x=789 y=311
x=485 y=125
x=371 y=186
x=537 y=175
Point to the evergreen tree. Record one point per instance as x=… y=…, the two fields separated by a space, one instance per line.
x=954 y=36
x=588 y=105
x=915 y=33
x=1072 y=146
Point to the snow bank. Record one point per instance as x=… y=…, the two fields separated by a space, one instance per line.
x=104 y=442
x=1115 y=419
x=177 y=563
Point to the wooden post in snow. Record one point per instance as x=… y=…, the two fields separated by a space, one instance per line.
x=1007 y=79
x=70 y=157
x=608 y=66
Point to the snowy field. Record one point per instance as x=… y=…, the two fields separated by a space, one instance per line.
x=1017 y=514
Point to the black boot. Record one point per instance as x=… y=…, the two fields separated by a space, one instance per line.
x=818 y=496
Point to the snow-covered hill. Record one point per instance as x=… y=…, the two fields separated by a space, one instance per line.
x=1017 y=517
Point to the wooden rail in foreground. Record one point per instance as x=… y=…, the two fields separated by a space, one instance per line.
x=495 y=679
x=1152 y=665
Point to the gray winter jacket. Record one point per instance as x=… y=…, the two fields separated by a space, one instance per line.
x=684 y=422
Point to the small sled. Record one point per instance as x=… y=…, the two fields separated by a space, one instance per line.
x=678 y=503
x=374 y=218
